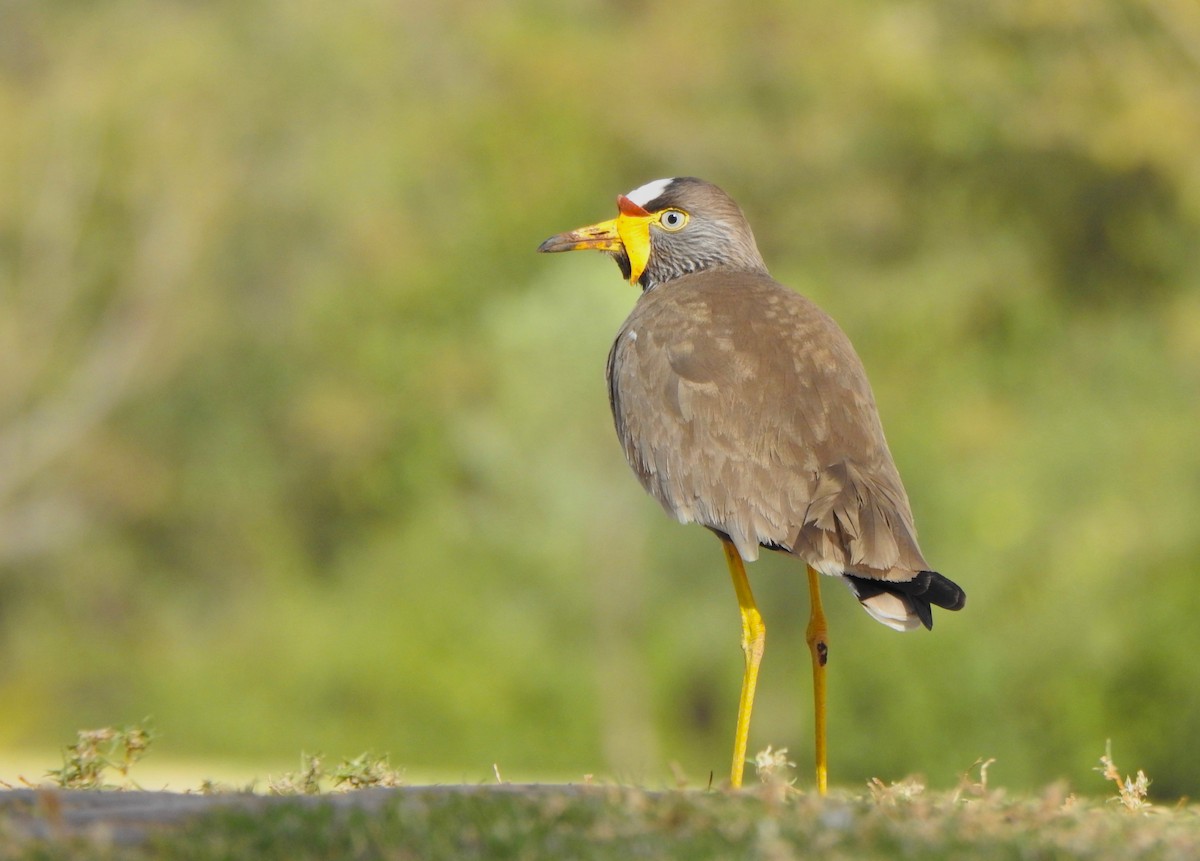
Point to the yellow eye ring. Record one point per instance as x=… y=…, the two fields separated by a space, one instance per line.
x=672 y=219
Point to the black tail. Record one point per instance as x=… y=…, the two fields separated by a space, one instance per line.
x=928 y=587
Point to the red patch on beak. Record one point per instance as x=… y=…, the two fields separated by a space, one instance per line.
x=628 y=207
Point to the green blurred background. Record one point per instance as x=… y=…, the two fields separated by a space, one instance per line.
x=303 y=448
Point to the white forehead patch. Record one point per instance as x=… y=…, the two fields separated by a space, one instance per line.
x=648 y=192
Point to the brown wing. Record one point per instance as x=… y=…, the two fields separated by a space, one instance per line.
x=742 y=406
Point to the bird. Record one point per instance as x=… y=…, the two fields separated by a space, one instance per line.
x=742 y=406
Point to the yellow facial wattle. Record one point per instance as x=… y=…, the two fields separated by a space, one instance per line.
x=629 y=232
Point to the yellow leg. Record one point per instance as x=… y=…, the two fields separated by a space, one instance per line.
x=754 y=637
x=818 y=644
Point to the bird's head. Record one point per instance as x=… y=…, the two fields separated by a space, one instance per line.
x=668 y=228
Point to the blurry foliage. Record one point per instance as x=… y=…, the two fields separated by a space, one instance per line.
x=302 y=446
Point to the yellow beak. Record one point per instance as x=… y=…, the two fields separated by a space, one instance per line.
x=626 y=235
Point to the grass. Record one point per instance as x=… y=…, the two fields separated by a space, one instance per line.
x=364 y=771
x=99 y=753
x=512 y=822
x=772 y=821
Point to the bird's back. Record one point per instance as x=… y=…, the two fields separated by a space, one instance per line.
x=742 y=406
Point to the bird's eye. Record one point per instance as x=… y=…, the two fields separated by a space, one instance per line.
x=673 y=219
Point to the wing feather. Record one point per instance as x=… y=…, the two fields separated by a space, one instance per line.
x=742 y=406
